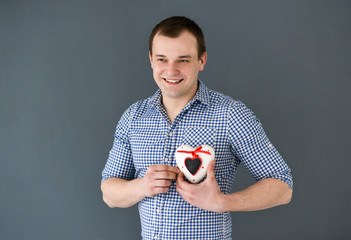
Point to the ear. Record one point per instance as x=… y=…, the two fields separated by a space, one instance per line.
x=203 y=61
x=150 y=57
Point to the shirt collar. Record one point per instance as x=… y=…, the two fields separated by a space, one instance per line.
x=201 y=95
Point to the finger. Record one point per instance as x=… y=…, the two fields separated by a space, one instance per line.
x=184 y=189
x=164 y=168
x=165 y=175
x=211 y=170
x=180 y=180
x=184 y=185
x=181 y=177
x=159 y=190
x=172 y=169
x=186 y=195
x=163 y=183
x=179 y=187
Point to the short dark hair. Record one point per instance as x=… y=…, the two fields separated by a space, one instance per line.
x=174 y=26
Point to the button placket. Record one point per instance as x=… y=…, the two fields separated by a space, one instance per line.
x=158 y=215
x=167 y=148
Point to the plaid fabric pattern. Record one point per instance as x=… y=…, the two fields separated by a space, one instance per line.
x=144 y=136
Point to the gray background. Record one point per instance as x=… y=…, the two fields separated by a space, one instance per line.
x=68 y=70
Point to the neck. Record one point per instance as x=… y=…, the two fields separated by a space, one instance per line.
x=174 y=106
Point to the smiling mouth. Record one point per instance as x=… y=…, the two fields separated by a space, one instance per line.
x=173 y=80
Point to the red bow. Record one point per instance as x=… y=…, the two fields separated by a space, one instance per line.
x=194 y=153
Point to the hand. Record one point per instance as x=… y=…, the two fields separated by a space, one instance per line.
x=158 y=179
x=205 y=195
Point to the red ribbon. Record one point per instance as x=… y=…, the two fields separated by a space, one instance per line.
x=194 y=153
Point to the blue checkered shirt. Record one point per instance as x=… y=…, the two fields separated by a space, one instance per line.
x=145 y=136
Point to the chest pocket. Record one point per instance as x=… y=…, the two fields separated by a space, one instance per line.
x=147 y=147
x=199 y=136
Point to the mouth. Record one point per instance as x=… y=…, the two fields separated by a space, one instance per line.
x=173 y=80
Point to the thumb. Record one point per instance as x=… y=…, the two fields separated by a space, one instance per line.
x=180 y=176
x=211 y=169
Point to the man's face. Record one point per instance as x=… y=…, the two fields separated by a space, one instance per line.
x=176 y=65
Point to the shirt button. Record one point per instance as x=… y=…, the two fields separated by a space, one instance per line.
x=170 y=134
x=166 y=159
x=158 y=210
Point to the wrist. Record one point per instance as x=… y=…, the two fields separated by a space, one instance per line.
x=140 y=188
x=221 y=204
x=229 y=203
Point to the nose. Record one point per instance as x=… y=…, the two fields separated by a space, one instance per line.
x=172 y=69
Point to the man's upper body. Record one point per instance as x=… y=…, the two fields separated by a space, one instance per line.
x=141 y=167
x=145 y=137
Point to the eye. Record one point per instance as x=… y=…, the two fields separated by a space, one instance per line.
x=161 y=60
x=183 y=60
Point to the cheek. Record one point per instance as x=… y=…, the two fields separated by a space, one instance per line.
x=156 y=70
x=193 y=69
x=193 y=72
x=187 y=70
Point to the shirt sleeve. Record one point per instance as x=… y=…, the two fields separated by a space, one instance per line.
x=252 y=147
x=120 y=161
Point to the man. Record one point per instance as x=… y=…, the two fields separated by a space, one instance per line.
x=141 y=167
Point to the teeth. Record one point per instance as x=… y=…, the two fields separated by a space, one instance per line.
x=173 y=81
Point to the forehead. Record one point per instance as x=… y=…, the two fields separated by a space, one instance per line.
x=185 y=43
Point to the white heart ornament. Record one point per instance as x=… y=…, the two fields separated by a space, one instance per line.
x=194 y=162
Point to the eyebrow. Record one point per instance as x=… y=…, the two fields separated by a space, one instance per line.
x=185 y=56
